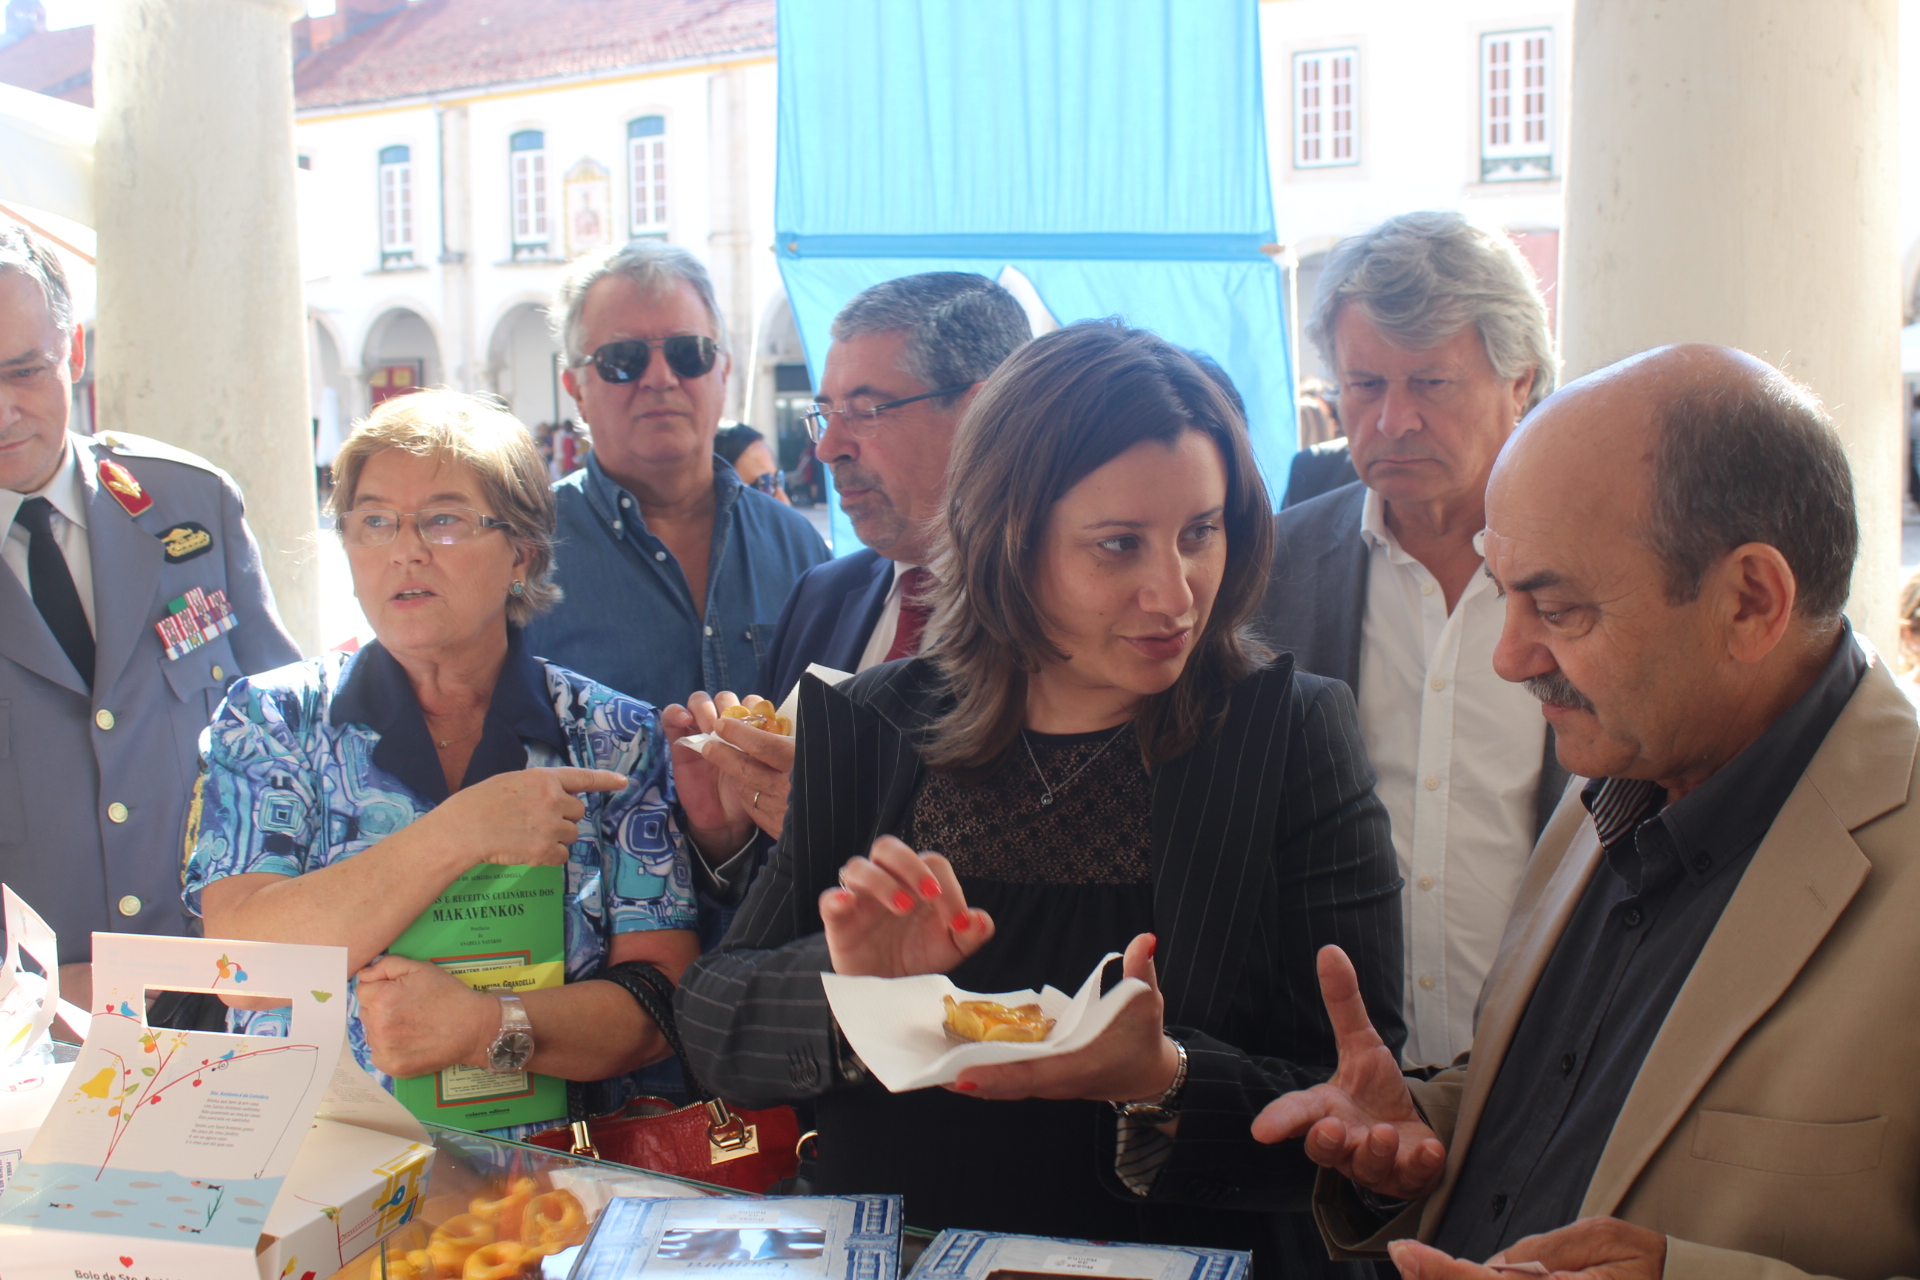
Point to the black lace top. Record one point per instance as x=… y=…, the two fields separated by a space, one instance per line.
x=1095 y=830
x=1065 y=882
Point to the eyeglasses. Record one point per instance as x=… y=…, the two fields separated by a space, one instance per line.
x=443 y=526
x=689 y=355
x=860 y=414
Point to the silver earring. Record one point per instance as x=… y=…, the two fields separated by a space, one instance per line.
x=518 y=588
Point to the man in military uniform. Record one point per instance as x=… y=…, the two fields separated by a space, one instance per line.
x=132 y=596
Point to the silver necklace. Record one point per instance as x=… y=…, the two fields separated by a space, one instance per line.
x=1048 y=787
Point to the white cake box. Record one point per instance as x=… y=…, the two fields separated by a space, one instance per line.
x=197 y=1155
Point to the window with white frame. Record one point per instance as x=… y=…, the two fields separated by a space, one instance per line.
x=647 y=167
x=1326 y=108
x=396 y=206
x=527 y=152
x=1516 y=106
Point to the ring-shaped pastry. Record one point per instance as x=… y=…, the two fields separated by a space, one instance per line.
x=501 y=1260
x=555 y=1221
x=455 y=1240
x=413 y=1264
x=506 y=1212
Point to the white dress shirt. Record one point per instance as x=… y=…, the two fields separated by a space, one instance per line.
x=1458 y=751
x=887 y=627
x=67 y=491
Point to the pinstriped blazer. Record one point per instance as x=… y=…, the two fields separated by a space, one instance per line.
x=1267 y=844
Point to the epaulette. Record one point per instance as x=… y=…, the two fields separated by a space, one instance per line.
x=128 y=445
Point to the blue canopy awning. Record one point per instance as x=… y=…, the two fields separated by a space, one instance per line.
x=1112 y=151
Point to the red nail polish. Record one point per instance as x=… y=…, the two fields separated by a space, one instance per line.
x=903 y=900
x=1153 y=944
x=965 y=1086
x=929 y=888
x=963 y=921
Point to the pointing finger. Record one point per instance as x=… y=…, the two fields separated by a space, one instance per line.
x=1353 y=1031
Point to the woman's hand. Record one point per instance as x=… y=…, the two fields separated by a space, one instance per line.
x=1131 y=1061
x=898 y=913
x=525 y=819
x=420 y=1018
x=719 y=817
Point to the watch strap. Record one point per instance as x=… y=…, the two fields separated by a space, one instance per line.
x=514 y=1025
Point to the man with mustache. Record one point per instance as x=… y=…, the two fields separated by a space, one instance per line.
x=907 y=357
x=674 y=571
x=1695 y=1053
x=1440 y=343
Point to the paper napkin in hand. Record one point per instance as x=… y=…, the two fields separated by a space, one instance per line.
x=896 y=1024
x=790 y=709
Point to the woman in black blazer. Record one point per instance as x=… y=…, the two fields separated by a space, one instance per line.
x=1104 y=759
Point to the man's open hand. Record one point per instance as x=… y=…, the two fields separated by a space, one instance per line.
x=1590 y=1249
x=1362 y=1123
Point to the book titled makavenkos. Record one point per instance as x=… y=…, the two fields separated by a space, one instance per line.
x=494 y=928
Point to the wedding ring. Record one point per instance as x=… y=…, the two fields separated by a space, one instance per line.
x=756 y=800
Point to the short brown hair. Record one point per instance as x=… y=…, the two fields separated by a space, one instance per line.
x=487 y=440
x=1059 y=409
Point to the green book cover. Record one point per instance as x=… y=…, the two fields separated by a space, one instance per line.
x=493 y=927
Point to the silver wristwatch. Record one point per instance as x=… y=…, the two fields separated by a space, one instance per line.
x=1164 y=1109
x=512 y=1047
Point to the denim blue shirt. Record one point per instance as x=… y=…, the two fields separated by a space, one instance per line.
x=628 y=619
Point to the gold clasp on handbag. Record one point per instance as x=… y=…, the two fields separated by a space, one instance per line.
x=583 y=1142
x=729 y=1137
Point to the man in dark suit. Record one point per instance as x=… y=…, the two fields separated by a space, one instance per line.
x=1440 y=343
x=907 y=358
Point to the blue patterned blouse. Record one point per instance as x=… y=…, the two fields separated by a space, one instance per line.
x=309 y=764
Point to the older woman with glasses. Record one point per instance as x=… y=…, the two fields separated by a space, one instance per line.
x=341 y=796
x=1090 y=754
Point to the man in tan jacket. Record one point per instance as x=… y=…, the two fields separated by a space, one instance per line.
x=1696 y=1052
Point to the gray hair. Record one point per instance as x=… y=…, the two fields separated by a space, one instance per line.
x=960 y=326
x=654 y=265
x=23 y=253
x=1756 y=461
x=1420 y=278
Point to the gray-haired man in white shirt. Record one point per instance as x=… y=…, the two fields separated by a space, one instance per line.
x=1440 y=343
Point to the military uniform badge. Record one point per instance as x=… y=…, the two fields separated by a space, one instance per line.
x=125 y=489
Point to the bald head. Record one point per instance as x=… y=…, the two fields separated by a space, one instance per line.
x=1684 y=513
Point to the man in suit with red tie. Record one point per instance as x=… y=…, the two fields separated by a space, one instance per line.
x=907 y=358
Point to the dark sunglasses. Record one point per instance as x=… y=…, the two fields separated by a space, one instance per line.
x=689 y=355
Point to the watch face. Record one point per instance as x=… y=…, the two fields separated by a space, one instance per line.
x=511 y=1052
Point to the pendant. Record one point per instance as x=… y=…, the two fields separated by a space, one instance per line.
x=1047 y=799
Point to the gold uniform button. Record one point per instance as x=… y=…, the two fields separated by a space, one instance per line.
x=103 y=718
x=130 y=906
x=219 y=672
x=116 y=812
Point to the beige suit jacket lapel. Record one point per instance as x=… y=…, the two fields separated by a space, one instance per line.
x=1800 y=881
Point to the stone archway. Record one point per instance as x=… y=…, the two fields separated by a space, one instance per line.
x=402 y=355
x=523 y=365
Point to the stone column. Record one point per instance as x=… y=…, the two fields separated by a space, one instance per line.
x=730 y=241
x=1732 y=179
x=202 y=333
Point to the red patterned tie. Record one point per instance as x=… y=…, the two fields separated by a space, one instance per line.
x=913 y=613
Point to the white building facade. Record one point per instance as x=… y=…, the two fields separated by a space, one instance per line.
x=436 y=229
x=437 y=226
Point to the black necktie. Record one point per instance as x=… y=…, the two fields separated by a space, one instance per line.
x=52 y=586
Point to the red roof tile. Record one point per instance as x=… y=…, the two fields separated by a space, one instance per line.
x=59 y=63
x=435 y=46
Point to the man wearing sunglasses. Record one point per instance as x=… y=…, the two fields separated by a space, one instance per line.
x=907 y=358
x=674 y=571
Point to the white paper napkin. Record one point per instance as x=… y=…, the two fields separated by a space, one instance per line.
x=895 y=1024
x=790 y=709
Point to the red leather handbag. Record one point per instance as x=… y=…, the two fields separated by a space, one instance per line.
x=707 y=1141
